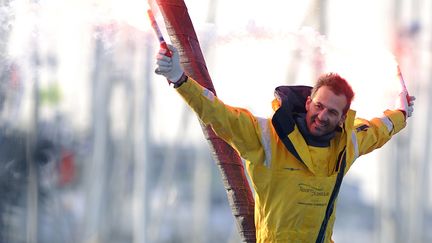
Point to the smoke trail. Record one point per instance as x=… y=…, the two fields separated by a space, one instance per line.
x=371 y=69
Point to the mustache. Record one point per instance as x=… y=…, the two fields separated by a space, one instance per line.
x=315 y=117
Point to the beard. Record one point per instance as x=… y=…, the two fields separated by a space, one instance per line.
x=319 y=127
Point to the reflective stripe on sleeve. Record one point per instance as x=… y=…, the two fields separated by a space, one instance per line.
x=265 y=139
x=208 y=94
x=388 y=123
x=355 y=144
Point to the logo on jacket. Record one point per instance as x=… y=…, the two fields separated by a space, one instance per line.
x=291 y=169
x=314 y=191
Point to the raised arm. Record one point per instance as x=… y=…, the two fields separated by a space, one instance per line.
x=376 y=132
x=237 y=126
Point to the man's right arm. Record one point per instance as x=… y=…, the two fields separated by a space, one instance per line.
x=237 y=126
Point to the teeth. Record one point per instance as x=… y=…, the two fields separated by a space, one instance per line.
x=318 y=123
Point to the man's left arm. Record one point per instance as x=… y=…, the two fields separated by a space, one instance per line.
x=375 y=133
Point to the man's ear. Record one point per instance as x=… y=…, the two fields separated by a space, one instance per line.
x=308 y=101
x=342 y=120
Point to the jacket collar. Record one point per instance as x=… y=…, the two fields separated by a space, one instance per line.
x=291 y=100
x=312 y=140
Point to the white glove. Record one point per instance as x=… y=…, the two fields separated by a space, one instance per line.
x=169 y=66
x=402 y=103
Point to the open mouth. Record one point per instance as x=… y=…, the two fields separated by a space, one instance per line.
x=319 y=124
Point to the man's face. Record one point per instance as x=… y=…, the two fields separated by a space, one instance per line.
x=324 y=111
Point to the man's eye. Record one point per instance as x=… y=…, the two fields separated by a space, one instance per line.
x=319 y=106
x=334 y=113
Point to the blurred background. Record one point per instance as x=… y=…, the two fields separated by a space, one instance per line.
x=94 y=147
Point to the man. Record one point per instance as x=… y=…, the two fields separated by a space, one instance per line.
x=296 y=159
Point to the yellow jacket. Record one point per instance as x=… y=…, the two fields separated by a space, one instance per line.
x=292 y=185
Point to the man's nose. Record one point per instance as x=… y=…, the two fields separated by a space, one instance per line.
x=323 y=115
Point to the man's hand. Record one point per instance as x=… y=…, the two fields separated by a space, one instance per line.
x=169 y=66
x=403 y=105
